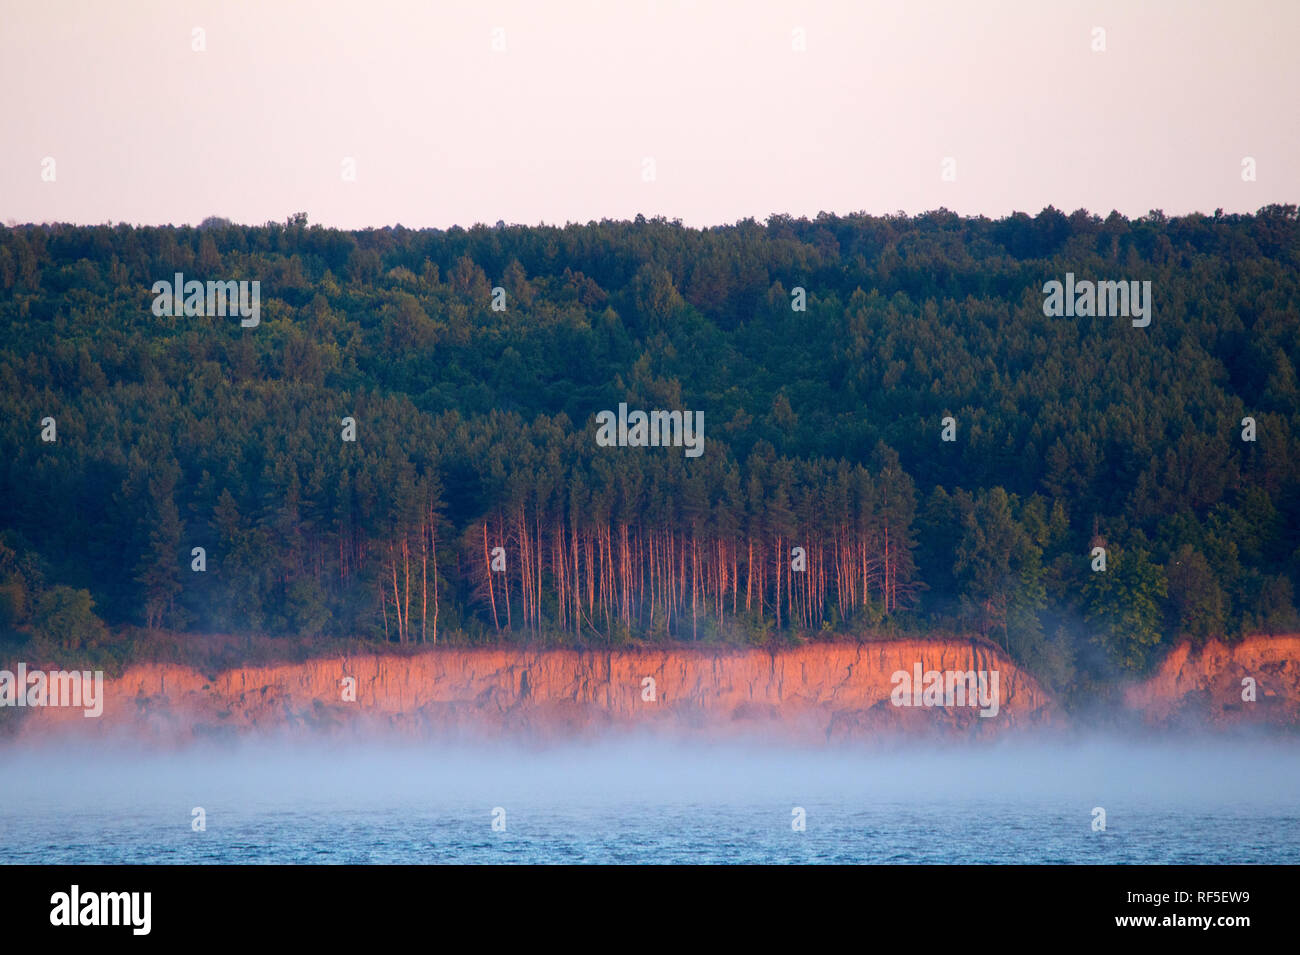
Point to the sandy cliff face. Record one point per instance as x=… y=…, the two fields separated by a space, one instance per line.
x=1206 y=686
x=816 y=692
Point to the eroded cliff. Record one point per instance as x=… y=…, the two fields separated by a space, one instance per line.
x=816 y=692
x=1212 y=685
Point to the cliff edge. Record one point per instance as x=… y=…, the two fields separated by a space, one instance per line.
x=816 y=692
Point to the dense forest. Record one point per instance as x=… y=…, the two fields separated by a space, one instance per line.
x=832 y=498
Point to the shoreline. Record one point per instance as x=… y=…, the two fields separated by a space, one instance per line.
x=817 y=692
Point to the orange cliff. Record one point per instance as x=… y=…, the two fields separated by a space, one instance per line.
x=815 y=692
x=1208 y=686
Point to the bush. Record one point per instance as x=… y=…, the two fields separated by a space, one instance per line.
x=65 y=618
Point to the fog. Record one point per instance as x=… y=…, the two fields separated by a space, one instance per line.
x=267 y=773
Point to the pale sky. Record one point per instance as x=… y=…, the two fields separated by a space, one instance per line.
x=557 y=127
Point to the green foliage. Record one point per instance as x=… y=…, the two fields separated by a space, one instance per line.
x=822 y=429
x=1124 y=608
x=14 y=602
x=65 y=618
x=1196 y=601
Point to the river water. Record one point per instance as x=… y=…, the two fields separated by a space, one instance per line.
x=647 y=801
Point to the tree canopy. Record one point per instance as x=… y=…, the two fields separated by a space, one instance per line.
x=474 y=430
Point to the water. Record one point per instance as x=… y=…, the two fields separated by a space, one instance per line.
x=638 y=800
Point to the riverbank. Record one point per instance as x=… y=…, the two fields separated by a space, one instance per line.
x=814 y=692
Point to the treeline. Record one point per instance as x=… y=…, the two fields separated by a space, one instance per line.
x=669 y=550
x=355 y=537
x=826 y=500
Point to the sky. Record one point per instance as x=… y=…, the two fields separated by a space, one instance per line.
x=430 y=114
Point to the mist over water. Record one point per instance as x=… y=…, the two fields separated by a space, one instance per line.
x=633 y=798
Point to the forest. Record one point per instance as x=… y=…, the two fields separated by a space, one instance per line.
x=898 y=439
